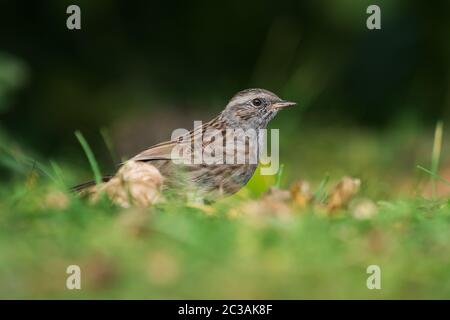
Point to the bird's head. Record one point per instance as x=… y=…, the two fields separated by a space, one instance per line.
x=253 y=108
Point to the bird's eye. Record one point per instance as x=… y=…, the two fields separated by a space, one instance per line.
x=256 y=102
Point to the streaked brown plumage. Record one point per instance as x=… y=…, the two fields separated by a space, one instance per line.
x=250 y=109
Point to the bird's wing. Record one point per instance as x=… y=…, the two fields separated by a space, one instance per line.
x=164 y=150
x=161 y=151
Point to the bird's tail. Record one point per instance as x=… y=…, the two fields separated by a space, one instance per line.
x=84 y=186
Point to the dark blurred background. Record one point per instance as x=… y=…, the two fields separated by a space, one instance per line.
x=138 y=69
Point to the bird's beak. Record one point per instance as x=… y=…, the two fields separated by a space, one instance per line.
x=282 y=104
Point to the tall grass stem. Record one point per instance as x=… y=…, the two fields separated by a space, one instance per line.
x=436 y=155
x=90 y=156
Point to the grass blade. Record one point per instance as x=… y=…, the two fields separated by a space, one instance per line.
x=434 y=175
x=320 y=194
x=279 y=175
x=37 y=165
x=90 y=156
x=109 y=144
x=436 y=155
x=58 y=173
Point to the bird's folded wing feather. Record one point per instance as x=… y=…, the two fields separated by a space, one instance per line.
x=164 y=150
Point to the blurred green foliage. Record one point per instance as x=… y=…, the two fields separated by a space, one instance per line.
x=177 y=252
x=140 y=58
x=13 y=76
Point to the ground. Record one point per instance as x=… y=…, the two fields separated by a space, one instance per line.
x=236 y=248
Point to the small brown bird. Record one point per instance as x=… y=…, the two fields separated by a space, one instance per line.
x=175 y=165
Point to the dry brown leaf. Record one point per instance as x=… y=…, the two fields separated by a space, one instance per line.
x=364 y=209
x=261 y=208
x=274 y=202
x=301 y=193
x=136 y=183
x=285 y=203
x=275 y=194
x=342 y=193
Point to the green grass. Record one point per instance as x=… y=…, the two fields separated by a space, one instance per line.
x=177 y=251
x=90 y=156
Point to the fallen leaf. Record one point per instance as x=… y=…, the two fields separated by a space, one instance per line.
x=364 y=209
x=301 y=193
x=136 y=183
x=342 y=193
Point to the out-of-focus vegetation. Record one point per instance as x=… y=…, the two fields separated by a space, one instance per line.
x=179 y=251
x=168 y=63
x=245 y=246
x=368 y=104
